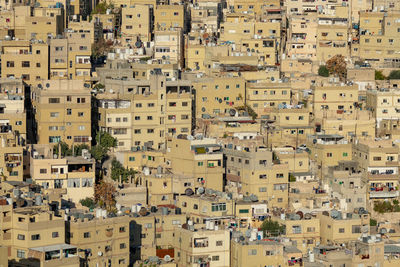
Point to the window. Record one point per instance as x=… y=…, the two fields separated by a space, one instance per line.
x=55 y=235
x=43 y=170
x=86 y=235
x=345 y=154
x=69 y=111
x=20 y=254
x=25 y=64
x=122 y=246
x=149 y=118
x=21 y=237
x=310 y=229
x=280 y=175
x=74 y=182
x=218 y=207
x=80 y=100
x=252 y=252
x=80 y=114
x=138 y=105
x=150 y=105
x=219 y=243
x=341 y=230
x=137 y=118
x=262 y=189
x=200 y=163
x=356 y=229
x=54 y=114
x=131 y=158
x=137 y=131
x=329 y=155
x=215 y=258
x=10 y=64
x=150 y=130
x=35 y=237
x=184 y=104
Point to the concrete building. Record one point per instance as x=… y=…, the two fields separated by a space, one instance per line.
x=62 y=111
x=254 y=172
x=200 y=158
x=142 y=113
x=31 y=64
x=72 y=177
x=202 y=246
x=103 y=241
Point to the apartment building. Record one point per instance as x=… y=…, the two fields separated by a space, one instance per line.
x=262 y=96
x=332 y=41
x=287 y=126
x=136 y=24
x=347 y=186
x=110 y=23
x=153 y=233
x=144 y=112
x=70 y=57
x=168 y=45
x=243 y=26
x=72 y=177
x=170 y=16
x=303 y=231
x=30 y=228
x=13 y=128
x=200 y=158
x=211 y=206
x=254 y=253
x=329 y=99
x=337 y=227
x=202 y=246
x=302 y=33
x=199 y=57
x=379 y=38
x=206 y=16
x=103 y=241
x=251 y=167
x=217 y=96
x=328 y=149
x=379 y=162
x=26 y=60
x=92 y=28
x=384 y=104
x=44 y=23
x=62 y=112
x=358 y=124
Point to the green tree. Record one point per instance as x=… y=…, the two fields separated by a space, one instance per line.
x=323 y=71
x=65 y=150
x=379 y=75
x=104 y=142
x=119 y=173
x=394 y=75
x=272 y=228
x=98 y=153
x=372 y=222
x=88 y=202
x=249 y=110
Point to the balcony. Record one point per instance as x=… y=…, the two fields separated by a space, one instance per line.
x=383 y=192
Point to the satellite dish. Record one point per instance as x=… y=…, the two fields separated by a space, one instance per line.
x=40 y=86
x=203 y=109
x=232 y=112
x=163 y=57
x=200 y=190
x=220 y=100
x=314 y=141
x=86 y=85
x=167 y=258
x=47 y=85
x=189 y=192
x=138 y=44
x=300 y=214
